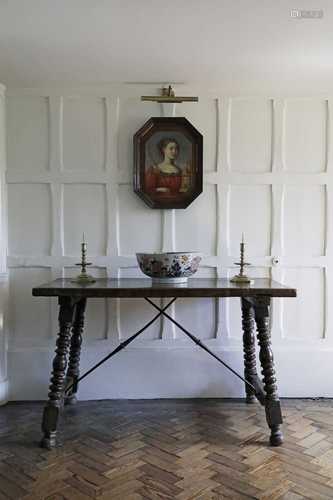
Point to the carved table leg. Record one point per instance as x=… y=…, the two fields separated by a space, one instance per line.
x=57 y=383
x=73 y=371
x=272 y=403
x=250 y=371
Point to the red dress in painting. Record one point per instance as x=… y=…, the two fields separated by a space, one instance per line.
x=158 y=182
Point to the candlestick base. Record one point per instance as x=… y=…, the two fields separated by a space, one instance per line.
x=83 y=279
x=242 y=278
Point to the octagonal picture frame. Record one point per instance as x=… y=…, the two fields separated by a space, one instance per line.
x=168 y=162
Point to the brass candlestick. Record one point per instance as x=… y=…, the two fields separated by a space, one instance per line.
x=241 y=277
x=83 y=277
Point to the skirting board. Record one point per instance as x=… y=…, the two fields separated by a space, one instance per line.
x=174 y=373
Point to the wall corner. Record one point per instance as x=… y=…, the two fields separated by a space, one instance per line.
x=4 y=382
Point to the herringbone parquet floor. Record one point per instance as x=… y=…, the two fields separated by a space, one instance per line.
x=167 y=449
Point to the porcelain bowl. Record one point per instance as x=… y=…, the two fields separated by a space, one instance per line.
x=169 y=267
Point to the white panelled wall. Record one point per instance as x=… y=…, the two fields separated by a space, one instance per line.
x=267 y=171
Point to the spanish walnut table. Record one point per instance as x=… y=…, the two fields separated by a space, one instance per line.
x=255 y=305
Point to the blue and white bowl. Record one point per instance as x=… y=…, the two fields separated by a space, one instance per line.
x=169 y=267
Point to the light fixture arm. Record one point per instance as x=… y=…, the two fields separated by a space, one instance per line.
x=168 y=96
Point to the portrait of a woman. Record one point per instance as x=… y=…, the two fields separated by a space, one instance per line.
x=167 y=178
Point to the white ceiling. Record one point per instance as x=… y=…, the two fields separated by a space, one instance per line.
x=250 y=43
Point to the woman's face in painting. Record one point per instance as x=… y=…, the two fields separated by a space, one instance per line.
x=170 y=151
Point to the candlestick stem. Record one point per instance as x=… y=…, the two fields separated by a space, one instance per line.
x=241 y=277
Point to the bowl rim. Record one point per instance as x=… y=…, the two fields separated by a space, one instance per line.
x=168 y=253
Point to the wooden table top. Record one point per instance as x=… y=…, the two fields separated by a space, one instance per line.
x=141 y=287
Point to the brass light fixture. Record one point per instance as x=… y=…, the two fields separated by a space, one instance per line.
x=168 y=96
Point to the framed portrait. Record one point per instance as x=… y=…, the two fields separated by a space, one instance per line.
x=168 y=163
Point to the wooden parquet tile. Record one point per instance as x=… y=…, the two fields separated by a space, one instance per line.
x=168 y=449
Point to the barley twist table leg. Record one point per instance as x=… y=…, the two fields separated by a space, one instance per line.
x=57 y=383
x=73 y=371
x=249 y=347
x=272 y=404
